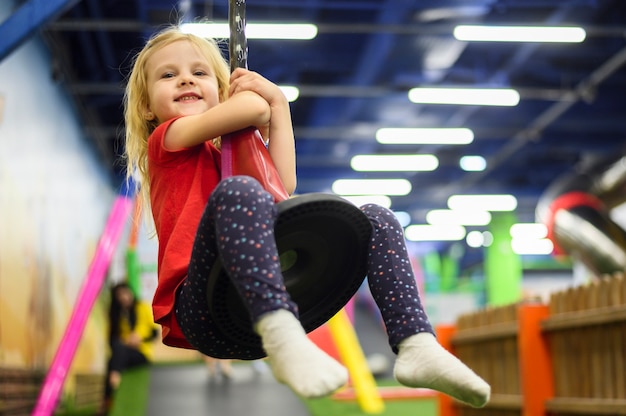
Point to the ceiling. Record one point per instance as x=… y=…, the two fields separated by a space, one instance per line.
x=354 y=77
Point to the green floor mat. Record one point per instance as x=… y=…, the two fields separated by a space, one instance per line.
x=405 y=407
x=131 y=398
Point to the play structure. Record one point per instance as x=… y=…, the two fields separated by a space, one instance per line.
x=133 y=266
x=87 y=295
x=562 y=357
x=576 y=209
x=338 y=338
x=126 y=207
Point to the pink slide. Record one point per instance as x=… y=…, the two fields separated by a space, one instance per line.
x=53 y=383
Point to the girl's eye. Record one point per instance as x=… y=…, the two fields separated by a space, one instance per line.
x=167 y=75
x=199 y=73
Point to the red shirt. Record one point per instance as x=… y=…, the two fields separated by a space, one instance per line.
x=180 y=184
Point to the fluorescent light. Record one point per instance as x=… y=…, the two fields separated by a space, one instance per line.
x=474 y=239
x=529 y=231
x=530 y=238
x=389 y=135
x=292 y=93
x=394 y=163
x=532 y=246
x=360 y=200
x=483 y=202
x=519 y=33
x=299 y=31
x=207 y=30
x=424 y=232
x=477 y=239
x=404 y=218
x=487 y=238
x=460 y=217
x=473 y=163
x=371 y=187
x=465 y=96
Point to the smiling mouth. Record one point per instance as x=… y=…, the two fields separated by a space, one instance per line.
x=188 y=98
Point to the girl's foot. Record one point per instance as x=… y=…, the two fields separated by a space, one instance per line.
x=295 y=360
x=423 y=362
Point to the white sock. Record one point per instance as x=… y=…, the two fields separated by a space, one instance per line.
x=423 y=362
x=295 y=360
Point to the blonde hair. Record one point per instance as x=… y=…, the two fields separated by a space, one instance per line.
x=138 y=129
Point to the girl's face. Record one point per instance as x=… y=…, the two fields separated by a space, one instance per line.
x=181 y=82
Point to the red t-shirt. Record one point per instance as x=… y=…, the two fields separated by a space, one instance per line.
x=180 y=184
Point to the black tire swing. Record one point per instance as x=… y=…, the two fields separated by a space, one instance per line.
x=322 y=241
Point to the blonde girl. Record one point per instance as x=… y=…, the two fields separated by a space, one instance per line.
x=180 y=99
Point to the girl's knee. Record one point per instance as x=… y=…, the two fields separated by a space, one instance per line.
x=238 y=189
x=380 y=215
x=239 y=183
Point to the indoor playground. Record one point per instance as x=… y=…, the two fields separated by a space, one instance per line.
x=494 y=130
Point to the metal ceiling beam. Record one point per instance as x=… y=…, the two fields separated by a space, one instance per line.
x=122 y=25
x=322 y=28
x=340 y=91
x=26 y=20
x=351 y=134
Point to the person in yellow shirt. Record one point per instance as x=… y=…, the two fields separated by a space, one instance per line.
x=132 y=332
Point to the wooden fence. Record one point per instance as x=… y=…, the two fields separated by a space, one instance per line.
x=564 y=358
x=19 y=389
x=587 y=334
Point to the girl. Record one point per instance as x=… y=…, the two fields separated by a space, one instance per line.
x=180 y=99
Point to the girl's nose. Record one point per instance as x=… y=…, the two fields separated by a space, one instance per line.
x=186 y=79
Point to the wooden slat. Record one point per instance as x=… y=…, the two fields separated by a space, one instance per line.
x=502 y=330
x=577 y=319
x=505 y=401
x=18 y=390
x=89 y=390
x=590 y=406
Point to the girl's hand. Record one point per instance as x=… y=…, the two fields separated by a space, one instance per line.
x=244 y=80
x=278 y=133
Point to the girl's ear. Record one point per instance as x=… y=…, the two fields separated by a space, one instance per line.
x=147 y=113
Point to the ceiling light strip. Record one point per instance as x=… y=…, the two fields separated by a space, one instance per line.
x=479 y=33
x=288 y=31
x=394 y=163
x=453 y=136
x=399 y=187
x=506 y=97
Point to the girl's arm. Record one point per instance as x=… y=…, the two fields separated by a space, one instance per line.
x=281 y=144
x=238 y=112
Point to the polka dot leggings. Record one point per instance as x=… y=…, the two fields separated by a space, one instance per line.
x=238 y=225
x=390 y=278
